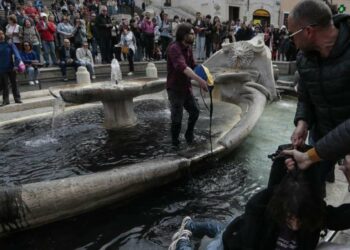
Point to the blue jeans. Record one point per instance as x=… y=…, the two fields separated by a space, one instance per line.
x=211 y=229
x=37 y=50
x=200 y=47
x=32 y=73
x=49 y=48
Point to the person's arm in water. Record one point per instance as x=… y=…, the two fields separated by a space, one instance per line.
x=333 y=146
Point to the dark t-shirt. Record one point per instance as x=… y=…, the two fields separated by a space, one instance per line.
x=287 y=240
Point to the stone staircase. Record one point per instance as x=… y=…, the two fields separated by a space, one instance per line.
x=172 y=11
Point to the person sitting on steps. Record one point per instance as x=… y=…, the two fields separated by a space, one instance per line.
x=67 y=58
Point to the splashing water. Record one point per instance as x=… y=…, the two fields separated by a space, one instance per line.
x=58 y=108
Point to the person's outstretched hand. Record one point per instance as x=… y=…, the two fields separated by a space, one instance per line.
x=301 y=159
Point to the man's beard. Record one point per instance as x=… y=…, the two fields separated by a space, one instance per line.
x=189 y=41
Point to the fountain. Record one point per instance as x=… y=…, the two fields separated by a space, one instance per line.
x=240 y=97
x=117 y=100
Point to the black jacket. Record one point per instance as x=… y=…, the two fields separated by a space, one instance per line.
x=257 y=230
x=102 y=30
x=336 y=144
x=63 y=53
x=324 y=86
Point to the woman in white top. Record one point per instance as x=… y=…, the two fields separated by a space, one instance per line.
x=12 y=31
x=128 y=40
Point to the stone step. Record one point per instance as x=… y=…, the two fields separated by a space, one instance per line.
x=30 y=103
x=102 y=71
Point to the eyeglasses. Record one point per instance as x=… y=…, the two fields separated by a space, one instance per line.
x=301 y=29
x=191 y=33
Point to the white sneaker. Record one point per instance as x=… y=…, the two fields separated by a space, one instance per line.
x=185 y=235
x=184 y=222
x=36 y=82
x=31 y=83
x=130 y=73
x=93 y=77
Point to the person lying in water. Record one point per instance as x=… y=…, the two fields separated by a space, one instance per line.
x=289 y=216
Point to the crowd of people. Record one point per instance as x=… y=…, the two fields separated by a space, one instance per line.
x=46 y=27
x=48 y=36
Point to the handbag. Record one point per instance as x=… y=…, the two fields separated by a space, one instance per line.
x=125 y=49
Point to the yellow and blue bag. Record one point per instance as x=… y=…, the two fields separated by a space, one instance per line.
x=204 y=73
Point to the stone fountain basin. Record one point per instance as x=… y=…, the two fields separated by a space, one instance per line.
x=35 y=204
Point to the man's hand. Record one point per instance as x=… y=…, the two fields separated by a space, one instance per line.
x=302 y=159
x=300 y=134
x=345 y=167
x=203 y=84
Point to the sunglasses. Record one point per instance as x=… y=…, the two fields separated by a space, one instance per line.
x=301 y=29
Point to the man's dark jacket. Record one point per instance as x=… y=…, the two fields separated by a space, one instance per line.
x=63 y=53
x=324 y=87
x=102 y=30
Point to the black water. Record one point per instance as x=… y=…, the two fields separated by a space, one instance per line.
x=219 y=191
x=79 y=144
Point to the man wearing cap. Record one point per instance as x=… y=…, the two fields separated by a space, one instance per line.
x=47 y=30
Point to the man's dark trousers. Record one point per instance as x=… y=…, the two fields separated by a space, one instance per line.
x=178 y=101
x=105 y=47
x=5 y=78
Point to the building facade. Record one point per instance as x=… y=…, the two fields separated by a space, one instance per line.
x=259 y=11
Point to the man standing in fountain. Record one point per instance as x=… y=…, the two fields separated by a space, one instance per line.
x=180 y=63
x=324 y=89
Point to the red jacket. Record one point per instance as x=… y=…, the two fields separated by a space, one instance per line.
x=46 y=33
x=31 y=11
